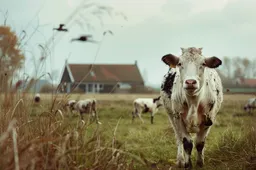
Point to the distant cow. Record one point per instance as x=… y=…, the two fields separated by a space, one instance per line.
x=71 y=104
x=250 y=105
x=87 y=106
x=144 y=105
x=37 y=98
x=192 y=95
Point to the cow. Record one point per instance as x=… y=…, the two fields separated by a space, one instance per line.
x=71 y=105
x=250 y=105
x=87 y=106
x=192 y=96
x=37 y=98
x=145 y=105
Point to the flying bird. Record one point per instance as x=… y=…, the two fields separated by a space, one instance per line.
x=84 y=38
x=108 y=31
x=61 y=28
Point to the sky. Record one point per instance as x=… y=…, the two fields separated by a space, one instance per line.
x=152 y=29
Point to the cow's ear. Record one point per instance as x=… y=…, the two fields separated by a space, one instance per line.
x=213 y=62
x=170 y=59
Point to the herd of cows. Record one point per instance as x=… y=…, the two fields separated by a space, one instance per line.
x=191 y=93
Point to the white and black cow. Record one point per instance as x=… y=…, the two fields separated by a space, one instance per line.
x=250 y=105
x=87 y=106
x=71 y=104
x=37 y=98
x=145 y=105
x=192 y=95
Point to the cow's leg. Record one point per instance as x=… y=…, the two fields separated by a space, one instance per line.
x=152 y=116
x=250 y=111
x=133 y=116
x=200 y=142
x=138 y=113
x=134 y=113
x=208 y=121
x=184 y=142
x=91 y=113
x=82 y=115
x=96 y=116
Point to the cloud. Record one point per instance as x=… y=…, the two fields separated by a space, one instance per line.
x=221 y=27
x=230 y=26
x=226 y=29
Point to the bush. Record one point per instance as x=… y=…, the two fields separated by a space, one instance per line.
x=141 y=89
x=78 y=90
x=47 y=89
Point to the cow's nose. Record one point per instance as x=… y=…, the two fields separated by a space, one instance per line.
x=190 y=81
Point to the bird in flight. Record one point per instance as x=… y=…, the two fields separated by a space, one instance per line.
x=108 y=31
x=61 y=28
x=84 y=38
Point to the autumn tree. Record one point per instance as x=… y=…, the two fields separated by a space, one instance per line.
x=11 y=57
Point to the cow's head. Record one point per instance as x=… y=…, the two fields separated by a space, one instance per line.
x=247 y=107
x=158 y=101
x=191 y=65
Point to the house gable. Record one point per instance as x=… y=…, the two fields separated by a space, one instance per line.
x=67 y=75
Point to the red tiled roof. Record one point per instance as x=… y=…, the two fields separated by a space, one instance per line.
x=250 y=82
x=106 y=73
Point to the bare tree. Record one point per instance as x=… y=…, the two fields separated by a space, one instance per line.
x=145 y=76
x=238 y=67
x=252 y=68
x=55 y=75
x=246 y=64
x=238 y=72
x=227 y=65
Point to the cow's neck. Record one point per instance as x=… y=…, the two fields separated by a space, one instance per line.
x=192 y=100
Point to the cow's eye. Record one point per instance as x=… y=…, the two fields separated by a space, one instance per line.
x=179 y=64
x=202 y=66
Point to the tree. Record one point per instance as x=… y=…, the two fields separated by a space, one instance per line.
x=253 y=70
x=227 y=64
x=11 y=58
x=238 y=72
x=246 y=64
x=55 y=75
x=145 y=76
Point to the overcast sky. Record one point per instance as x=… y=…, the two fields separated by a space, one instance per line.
x=153 y=29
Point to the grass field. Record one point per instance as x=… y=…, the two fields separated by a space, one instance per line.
x=36 y=136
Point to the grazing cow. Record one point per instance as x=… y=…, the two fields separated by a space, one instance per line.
x=71 y=104
x=192 y=95
x=250 y=105
x=37 y=98
x=87 y=106
x=144 y=105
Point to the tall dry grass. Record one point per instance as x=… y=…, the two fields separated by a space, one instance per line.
x=49 y=141
x=43 y=136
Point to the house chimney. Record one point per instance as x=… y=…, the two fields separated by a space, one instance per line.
x=136 y=62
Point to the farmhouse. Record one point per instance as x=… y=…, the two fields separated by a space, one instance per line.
x=101 y=78
x=246 y=82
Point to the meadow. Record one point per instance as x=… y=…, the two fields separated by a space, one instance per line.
x=47 y=136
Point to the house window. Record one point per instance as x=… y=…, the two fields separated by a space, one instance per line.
x=101 y=86
x=90 y=87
